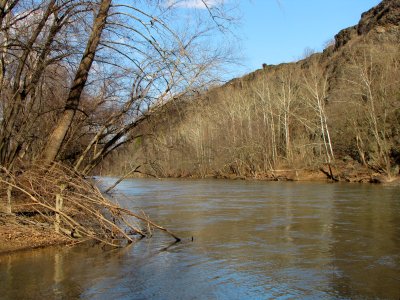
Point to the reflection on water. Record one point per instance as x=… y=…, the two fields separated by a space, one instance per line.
x=263 y=240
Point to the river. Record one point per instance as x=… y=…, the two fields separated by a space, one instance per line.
x=251 y=240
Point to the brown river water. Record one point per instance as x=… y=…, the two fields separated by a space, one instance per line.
x=251 y=240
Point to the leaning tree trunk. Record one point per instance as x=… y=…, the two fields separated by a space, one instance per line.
x=71 y=105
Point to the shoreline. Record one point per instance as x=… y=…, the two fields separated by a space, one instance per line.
x=350 y=172
x=15 y=237
x=313 y=176
x=42 y=207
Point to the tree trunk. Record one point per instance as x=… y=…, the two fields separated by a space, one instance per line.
x=72 y=103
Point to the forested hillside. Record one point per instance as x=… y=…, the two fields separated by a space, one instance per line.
x=337 y=112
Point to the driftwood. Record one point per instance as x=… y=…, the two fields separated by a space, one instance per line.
x=62 y=199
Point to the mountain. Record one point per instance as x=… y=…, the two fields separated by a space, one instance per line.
x=333 y=114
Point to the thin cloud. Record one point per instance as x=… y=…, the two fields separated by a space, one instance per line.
x=198 y=4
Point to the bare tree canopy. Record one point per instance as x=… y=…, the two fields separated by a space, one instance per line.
x=77 y=76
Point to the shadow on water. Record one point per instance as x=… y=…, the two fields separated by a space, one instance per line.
x=260 y=240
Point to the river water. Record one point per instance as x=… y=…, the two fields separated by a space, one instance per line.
x=251 y=240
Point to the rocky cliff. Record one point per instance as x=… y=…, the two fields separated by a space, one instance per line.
x=383 y=18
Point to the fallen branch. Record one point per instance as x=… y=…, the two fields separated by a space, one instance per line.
x=329 y=173
x=128 y=212
x=122 y=178
x=69 y=204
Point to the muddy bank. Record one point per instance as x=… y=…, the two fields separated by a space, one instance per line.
x=339 y=172
x=16 y=237
x=41 y=206
x=332 y=174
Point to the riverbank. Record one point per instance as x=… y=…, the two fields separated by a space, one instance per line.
x=312 y=176
x=14 y=236
x=341 y=171
x=41 y=206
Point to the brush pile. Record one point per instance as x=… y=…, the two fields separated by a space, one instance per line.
x=61 y=201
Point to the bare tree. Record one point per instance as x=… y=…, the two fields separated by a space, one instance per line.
x=77 y=76
x=29 y=48
x=315 y=95
x=72 y=103
x=372 y=77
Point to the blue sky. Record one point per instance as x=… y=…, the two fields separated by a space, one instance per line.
x=276 y=31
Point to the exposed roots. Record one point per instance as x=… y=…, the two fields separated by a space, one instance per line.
x=59 y=199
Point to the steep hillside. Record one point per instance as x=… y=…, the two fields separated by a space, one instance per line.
x=333 y=114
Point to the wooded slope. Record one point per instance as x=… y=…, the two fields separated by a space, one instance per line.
x=340 y=107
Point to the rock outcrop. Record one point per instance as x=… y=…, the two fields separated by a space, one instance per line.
x=382 y=18
x=385 y=14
